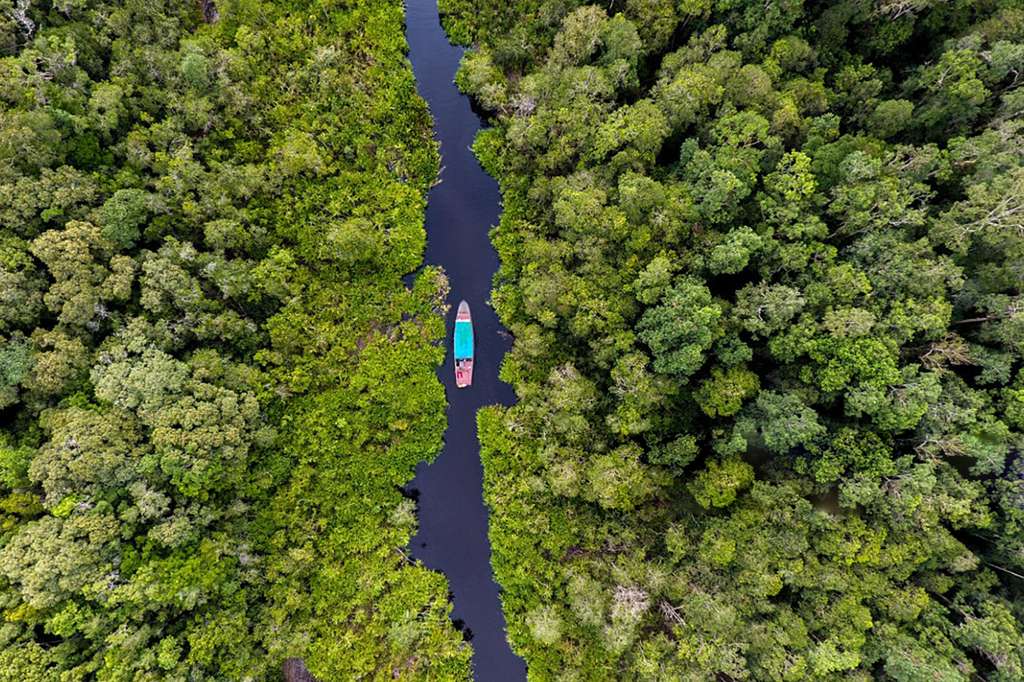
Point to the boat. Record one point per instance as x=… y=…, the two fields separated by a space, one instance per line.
x=463 y=346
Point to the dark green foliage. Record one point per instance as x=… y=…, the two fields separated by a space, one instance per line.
x=213 y=381
x=122 y=216
x=681 y=328
x=763 y=267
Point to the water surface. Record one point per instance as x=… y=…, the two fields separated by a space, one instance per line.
x=452 y=535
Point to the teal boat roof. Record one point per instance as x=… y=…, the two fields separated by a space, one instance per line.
x=463 y=340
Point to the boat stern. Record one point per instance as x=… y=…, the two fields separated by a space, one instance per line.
x=464 y=373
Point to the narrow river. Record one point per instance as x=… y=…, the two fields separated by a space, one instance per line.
x=452 y=534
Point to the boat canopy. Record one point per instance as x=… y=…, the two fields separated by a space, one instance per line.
x=463 y=339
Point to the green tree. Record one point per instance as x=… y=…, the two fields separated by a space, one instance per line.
x=681 y=328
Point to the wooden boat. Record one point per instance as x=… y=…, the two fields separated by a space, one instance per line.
x=463 y=346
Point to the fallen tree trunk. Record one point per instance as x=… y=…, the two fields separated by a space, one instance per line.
x=210 y=13
x=296 y=671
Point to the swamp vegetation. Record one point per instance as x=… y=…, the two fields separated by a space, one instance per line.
x=762 y=262
x=213 y=381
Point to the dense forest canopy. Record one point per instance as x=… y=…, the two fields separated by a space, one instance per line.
x=763 y=264
x=212 y=378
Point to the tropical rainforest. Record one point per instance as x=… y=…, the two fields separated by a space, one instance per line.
x=763 y=264
x=213 y=379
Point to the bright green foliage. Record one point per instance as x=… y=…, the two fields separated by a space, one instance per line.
x=723 y=394
x=213 y=381
x=719 y=483
x=762 y=262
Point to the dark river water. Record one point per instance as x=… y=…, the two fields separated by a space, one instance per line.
x=452 y=534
